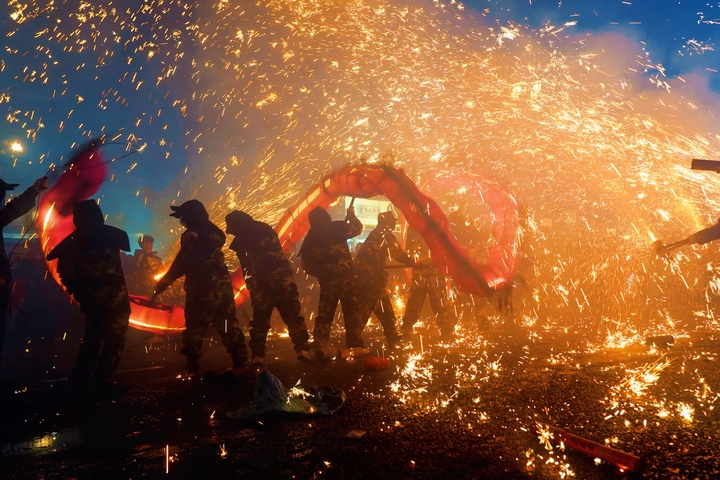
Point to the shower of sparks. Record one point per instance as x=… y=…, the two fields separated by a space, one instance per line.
x=594 y=141
x=685 y=411
x=638 y=380
x=414 y=378
x=429 y=384
x=697 y=47
x=619 y=339
x=637 y=399
x=554 y=458
x=708 y=21
x=274 y=94
x=545 y=435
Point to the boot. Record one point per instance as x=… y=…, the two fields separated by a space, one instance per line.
x=322 y=351
x=304 y=356
x=352 y=352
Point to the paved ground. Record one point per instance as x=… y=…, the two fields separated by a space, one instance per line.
x=466 y=409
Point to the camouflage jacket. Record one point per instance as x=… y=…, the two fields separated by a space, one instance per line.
x=261 y=256
x=379 y=247
x=90 y=267
x=325 y=253
x=146 y=263
x=200 y=260
x=15 y=208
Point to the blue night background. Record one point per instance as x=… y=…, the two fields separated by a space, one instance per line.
x=679 y=35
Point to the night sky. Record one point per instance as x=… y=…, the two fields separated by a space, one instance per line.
x=679 y=35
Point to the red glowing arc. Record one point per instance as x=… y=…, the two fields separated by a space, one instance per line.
x=423 y=214
x=501 y=265
x=89 y=171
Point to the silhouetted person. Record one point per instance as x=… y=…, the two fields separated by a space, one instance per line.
x=208 y=292
x=325 y=255
x=90 y=269
x=427 y=282
x=15 y=208
x=370 y=261
x=270 y=280
x=145 y=265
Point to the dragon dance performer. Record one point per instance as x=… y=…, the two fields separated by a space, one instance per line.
x=325 y=255
x=90 y=268
x=426 y=283
x=380 y=245
x=270 y=280
x=208 y=291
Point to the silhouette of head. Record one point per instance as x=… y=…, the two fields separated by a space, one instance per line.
x=236 y=222
x=146 y=242
x=319 y=216
x=387 y=220
x=87 y=213
x=192 y=213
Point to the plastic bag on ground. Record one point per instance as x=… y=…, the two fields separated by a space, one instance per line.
x=272 y=398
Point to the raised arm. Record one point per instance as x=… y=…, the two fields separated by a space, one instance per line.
x=180 y=264
x=355 y=226
x=20 y=205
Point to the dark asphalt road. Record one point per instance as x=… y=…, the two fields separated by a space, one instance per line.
x=468 y=409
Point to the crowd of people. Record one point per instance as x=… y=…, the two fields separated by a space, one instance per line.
x=96 y=270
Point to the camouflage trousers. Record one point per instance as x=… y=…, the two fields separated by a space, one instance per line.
x=216 y=307
x=331 y=292
x=285 y=298
x=426 y=288
x=102 y=344
x=377 y=301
